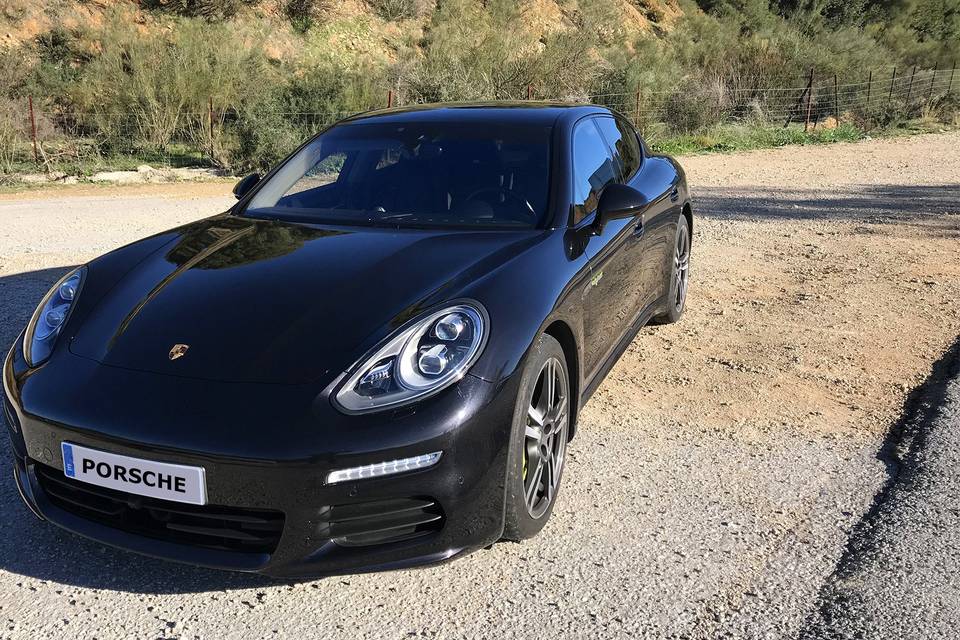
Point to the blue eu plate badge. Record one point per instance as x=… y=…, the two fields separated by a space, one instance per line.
x=68 y=468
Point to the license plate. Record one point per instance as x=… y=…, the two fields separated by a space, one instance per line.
x=175 y=482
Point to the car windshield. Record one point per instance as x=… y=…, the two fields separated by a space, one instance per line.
x=418 y=174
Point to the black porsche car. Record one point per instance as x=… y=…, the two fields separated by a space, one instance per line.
x=374 y=360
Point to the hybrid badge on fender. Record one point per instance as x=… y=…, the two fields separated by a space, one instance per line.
x=395 y=330
x=178 y=351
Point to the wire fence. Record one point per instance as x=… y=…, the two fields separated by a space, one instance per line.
x=35 y=136
x=821 y=101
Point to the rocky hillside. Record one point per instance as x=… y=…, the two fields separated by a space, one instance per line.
x=240 y=82
x=361 y=31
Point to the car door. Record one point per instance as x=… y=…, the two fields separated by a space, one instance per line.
x=641 y=280
x=659 y=181
x=611 y=299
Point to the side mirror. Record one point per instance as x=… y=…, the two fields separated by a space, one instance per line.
x=619 y=201
x=243 y=187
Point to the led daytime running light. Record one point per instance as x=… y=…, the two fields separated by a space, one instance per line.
x=380 y=469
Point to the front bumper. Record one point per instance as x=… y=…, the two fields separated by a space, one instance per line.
x=268 y=448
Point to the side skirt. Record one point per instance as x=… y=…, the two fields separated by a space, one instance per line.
x=620 y=347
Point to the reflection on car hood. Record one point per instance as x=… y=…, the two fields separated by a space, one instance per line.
x=278 y=302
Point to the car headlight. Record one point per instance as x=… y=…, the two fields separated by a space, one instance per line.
x=421 y=359
x=50 y=316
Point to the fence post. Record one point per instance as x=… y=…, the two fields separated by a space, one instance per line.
x=210 y=115
x=389 y=98
x=933 y=78
x=910 y=88
x=33 y=132
x=529 y=92
x=836 y=99
x=869 y=87
x=892 y=80
x=950 y=85
x=637 y=117
x=806 y=122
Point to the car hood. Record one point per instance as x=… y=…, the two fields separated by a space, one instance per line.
x=279 y=302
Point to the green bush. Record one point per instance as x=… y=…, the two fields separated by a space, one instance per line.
x=145 y=93
x=395 y=9
x=263 y=137
x=302 y=13
x=270 y=127
x=122 y=92
x=15 y=72
x=209 y=9
x=14 y=10
x=473 y=51
x=13 y=133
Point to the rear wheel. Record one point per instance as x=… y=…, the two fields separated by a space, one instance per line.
x=679 y=275
x=538 y=441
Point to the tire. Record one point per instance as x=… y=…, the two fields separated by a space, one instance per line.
x=533 y=481
x=679 y=276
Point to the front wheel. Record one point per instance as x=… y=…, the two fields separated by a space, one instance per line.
x=538 y=442
x=679 y=275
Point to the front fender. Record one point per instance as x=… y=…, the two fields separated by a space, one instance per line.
x=524 y=297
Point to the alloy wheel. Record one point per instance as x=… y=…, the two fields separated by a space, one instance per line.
x=681 y=265
x=545 y=438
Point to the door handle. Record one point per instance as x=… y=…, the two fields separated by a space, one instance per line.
x=674 y=195
x=638 y=230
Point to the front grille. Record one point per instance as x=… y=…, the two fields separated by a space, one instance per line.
x=9 y=414
x=380 y=522
x=211 y=527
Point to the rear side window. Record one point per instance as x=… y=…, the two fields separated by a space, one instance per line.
x=623 y=140
x=593 y=168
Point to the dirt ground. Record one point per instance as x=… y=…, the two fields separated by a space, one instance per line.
x=715 y=476
x=825 y=285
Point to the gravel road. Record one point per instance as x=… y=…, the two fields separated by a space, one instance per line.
x=717 y=476
x=901 y=575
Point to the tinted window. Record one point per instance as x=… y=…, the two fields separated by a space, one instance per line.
x=415 y=174
x=623 y=140
x=593 y=169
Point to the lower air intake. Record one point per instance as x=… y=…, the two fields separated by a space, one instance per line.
x=380 y=522
x=208 y=526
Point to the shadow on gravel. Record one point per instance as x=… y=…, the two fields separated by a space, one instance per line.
x=868 y=203
x=899 y=452
x=907 y=435
x=41 y=550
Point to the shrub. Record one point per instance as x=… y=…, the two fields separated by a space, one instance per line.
x=263 y=137
x=13 y=134
x=133 y=90
x=142 y=93
x=302 y=13
x=14 y=10
x=396 y=9
x=267 y=129
x=477 y=52
x=15 y=71
x=694 y=107
x=209 y=9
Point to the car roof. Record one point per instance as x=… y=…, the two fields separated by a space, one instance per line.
x=526 y=112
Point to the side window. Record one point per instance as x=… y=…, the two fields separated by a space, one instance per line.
x=630 y=153
x=593 y=168
x=623 y=140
